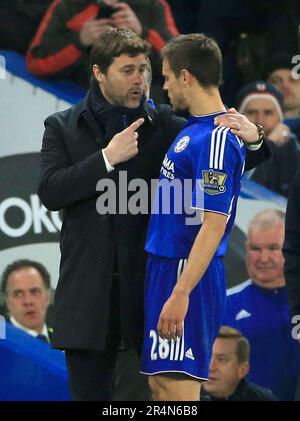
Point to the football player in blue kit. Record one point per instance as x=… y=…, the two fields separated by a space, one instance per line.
x=185 y=285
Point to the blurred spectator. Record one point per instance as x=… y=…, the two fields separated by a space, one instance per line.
x=61 y=45
x=279 y=72
x=229 y=367
x=291 y=249
x=27 y=293
x=262 y=103
x=19 y=20
x=259 y=308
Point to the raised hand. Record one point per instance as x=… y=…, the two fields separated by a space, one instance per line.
x=126 y=18
x=92 y=29
x=124 y=145
x=280 y=134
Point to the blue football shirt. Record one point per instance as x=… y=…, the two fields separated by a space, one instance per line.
x=263 y=316
x=202 y=170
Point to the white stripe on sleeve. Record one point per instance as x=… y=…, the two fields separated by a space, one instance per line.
x=222 y=149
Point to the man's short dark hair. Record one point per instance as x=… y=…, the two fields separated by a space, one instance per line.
x=197 y=53
x=114 y=42
x=242 y=343
x=21 y=264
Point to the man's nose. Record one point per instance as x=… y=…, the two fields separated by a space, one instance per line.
x=27 y=299
x=260 y=118
x=264 y=256
x=213 y=365
x=138 y=79
x=285 y=84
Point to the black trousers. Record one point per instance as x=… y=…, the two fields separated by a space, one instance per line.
x=111 y=374
x=106 y=376
x=90 y=375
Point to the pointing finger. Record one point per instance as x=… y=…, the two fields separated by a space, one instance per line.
x=135 y=125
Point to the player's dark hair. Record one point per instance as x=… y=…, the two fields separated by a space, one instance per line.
x=197 y=53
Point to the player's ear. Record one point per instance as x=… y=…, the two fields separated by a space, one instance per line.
x=186 y=77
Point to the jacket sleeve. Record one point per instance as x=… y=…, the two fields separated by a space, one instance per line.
x=162 y=26
x=56 y=47
x=158 y=27
x=62 y=183
x=291 y=248
x=254 y=158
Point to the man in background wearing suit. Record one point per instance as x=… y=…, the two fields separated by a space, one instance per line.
x=27 y=293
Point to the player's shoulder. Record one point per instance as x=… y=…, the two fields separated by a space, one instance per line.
x=197 y=132
x=223 y=134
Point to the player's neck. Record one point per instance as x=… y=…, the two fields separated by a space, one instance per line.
x=206 y=102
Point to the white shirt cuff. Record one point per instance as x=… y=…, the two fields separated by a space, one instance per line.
x=254 y=147
x=109 y=168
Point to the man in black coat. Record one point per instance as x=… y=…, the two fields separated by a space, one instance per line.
x=113 y=134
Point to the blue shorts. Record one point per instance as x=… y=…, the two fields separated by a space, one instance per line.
x=191 y=353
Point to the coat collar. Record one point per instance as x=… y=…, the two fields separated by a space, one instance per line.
x=82 y=111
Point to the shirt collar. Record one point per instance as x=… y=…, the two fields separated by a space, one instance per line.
x=30 y=331
x=203 y=117
x=271 y=291
x=210 y=114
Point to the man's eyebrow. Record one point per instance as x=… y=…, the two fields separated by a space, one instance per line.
x=132 y=66
x=127 y=66
x=221 y=354
x=24 y=289
x=17 y=290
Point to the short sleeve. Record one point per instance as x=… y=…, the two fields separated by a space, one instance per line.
x=218 y=170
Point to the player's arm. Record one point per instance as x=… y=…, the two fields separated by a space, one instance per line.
x=203 y=250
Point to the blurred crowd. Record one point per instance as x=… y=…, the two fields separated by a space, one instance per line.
x=259 y=42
